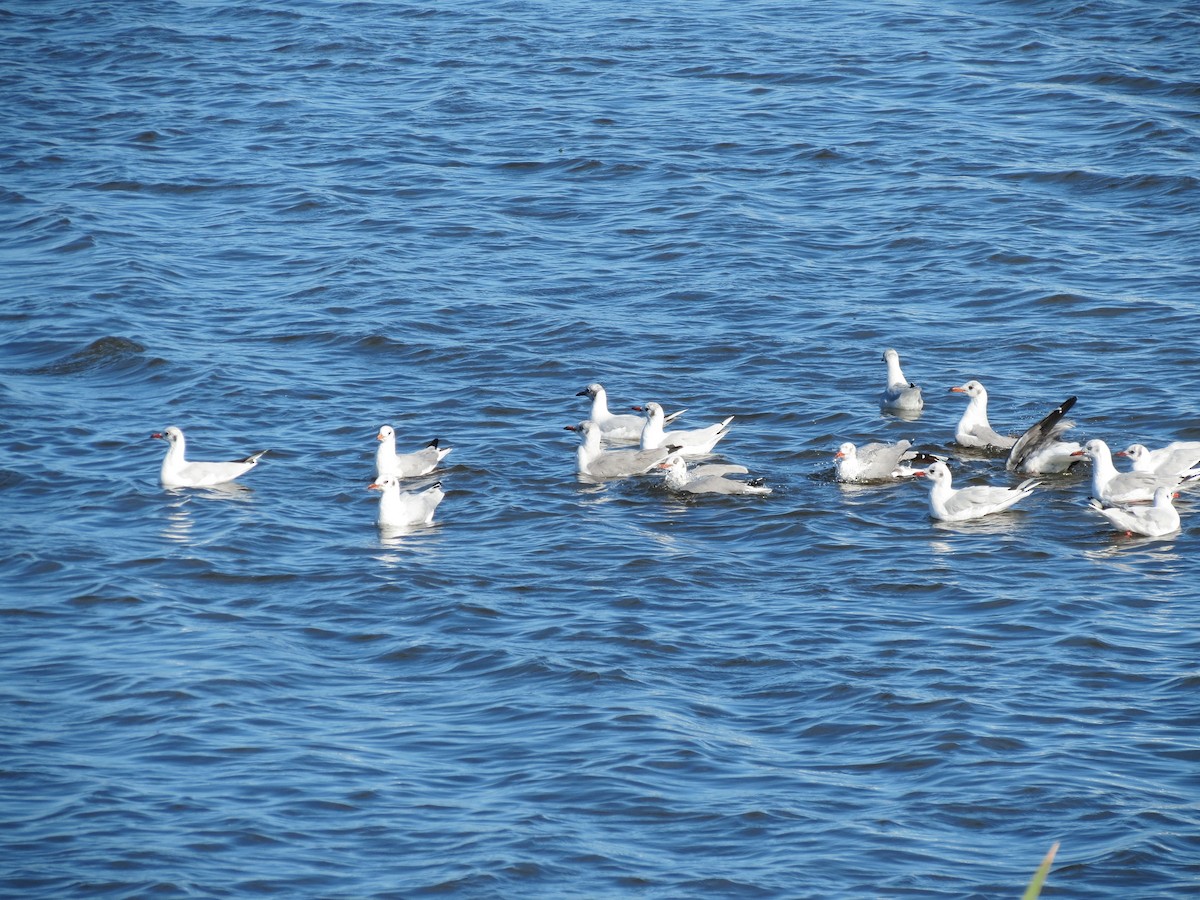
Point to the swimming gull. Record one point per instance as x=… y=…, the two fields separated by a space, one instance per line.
x=179 y=472
x=1155 y=520
x=592 y=459
x=405 y=465
x=403 y=509
x=616 y=426
x=900 y=393
x=974 y=502
x=973 y=428
x=1041 y=450
x=875 y=461
x=1177 y=458
x=1112 y=487
x=707 y=479
x=697 y=442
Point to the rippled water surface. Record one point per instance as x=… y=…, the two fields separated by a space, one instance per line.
x=281 y=225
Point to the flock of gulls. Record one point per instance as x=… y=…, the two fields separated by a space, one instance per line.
x=1136 y=501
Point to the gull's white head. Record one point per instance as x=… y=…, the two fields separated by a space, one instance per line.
x=845 y=451
x=673 y=462
x=385 y=432
x=972 y=389
x=591 y=390
x=1134 y=451
x=382 y=484
x=937 y=472
x=171 y=435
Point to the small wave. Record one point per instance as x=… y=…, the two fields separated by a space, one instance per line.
x=103 y=353
x=1107 y=183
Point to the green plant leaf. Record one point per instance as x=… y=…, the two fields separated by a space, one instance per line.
x=1039 y=877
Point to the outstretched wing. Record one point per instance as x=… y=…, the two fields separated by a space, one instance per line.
x=1039 y=435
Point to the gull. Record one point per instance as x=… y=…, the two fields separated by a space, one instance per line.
x=1150 y=521
x=973 y=428
x=1113 y=487
x=615 y=426
x=1039 y=451
x=403 y=509
x=698 y=442
x=900 y=393
x=973 y=502
x=875 y=461
x=405 y=465
x=707 y=479
x=592 y=459
x=1177 y=458
x=178 y=472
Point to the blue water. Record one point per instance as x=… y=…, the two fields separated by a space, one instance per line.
x=284 y=224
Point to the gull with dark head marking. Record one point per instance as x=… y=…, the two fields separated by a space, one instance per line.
x=177 y=471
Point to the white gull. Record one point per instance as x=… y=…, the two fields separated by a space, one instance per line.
x=615 y=426
x=900 y=393
x=973 y=429
x=707 y=479
x=951 y=505
x=1177 y=458
x=404 y=509
x=1112 y=487
x=1155 y=520
x=593 y=460
x=875 y=461
x=697 y=442
x=405 y=465
x=177 y=471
